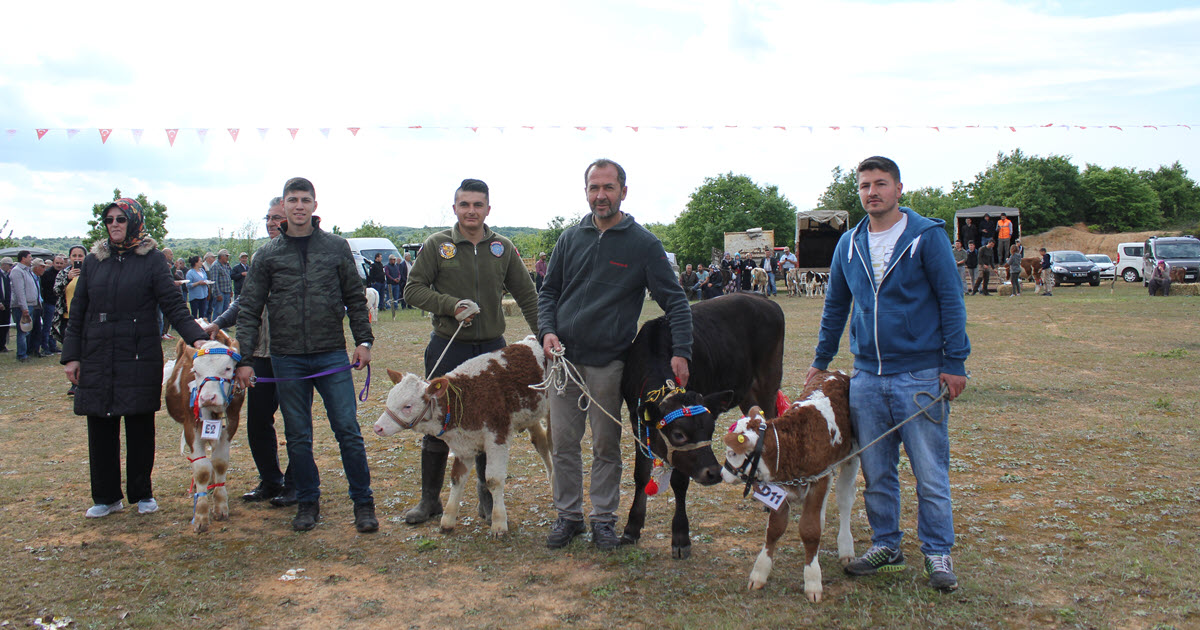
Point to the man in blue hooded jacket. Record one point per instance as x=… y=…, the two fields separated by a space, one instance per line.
x=895 y=277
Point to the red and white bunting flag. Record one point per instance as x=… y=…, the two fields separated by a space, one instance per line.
x=582 y=128
x=262 y=132
x=10 y=132
x=527 y=126
x=71 y=133
x=293 y=131
x=41 y=132
x=414 y=126
x=632 y=127
x=203 y=133
x=137 y=135
x=1150 y=127
x=781 y=127
x=354 y=131
x=104 y=134
x=1115 y=127
x=325 y=131
x=836 y=128
x=171 y=133
x=233 y=132
x=474 y=129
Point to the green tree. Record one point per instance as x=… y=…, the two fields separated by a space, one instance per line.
x=371 y=229
x=548 y=237
x=1121 y=200
x=667 y=233
x=1178 y=195
x=842 y=194
x=932 y=202
x=154 y=216
x=1048 y=191
x=7 y=241
x=729 y=203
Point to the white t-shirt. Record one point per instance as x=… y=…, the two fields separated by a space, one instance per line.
x=882 y=244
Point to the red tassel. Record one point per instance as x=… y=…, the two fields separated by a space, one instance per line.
x=651 y=488
x=781 y=404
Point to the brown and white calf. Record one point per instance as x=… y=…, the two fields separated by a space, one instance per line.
x=792 y=278
x=476 y=408
x=813 y=434
x=200 y=388
x=759 y=280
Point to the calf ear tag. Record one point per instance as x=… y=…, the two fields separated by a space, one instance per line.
x=741 y=439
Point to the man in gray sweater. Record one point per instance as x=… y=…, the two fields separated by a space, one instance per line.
x=588 y=308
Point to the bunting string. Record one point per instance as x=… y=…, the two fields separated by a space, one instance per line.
x=107 y=133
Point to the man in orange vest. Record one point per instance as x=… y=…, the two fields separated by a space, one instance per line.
x=1004 y=229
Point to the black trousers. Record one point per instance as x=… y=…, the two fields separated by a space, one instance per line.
x=457 y=354
x=104 y=452
x=261 y=405
x=5 y=320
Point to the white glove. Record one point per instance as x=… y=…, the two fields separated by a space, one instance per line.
x=469 y=308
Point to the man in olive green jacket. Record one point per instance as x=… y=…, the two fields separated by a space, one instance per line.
x=457 y=270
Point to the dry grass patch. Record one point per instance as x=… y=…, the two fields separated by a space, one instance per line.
x=1073 y=470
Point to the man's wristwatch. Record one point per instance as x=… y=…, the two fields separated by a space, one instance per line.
x=366 y=344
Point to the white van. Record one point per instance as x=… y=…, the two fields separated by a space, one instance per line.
x=1129 y=261
x=364 y=250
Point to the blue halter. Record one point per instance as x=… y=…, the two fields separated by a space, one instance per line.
x=225 y=384
x=692 y=410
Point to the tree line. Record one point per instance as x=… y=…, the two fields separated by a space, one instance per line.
x=1049 y=191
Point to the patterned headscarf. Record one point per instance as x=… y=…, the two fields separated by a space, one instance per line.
x=135 y=229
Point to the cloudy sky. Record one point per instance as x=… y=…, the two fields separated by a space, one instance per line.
x=526 y=75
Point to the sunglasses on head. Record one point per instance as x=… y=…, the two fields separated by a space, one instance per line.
x=117 y=219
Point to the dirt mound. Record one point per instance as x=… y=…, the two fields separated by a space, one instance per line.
x=1078 y=238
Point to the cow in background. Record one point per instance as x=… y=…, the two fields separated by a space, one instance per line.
x=811 y=436
x=200 y=388
x=737 y=359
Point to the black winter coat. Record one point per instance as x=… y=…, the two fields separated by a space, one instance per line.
x=113 y=330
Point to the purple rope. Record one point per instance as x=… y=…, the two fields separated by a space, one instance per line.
x=362 y=395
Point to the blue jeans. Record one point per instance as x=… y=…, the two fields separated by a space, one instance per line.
x=771 y=288
x=28 y=341
x=296 y=401
x=878 y=403
x=397 y=291
x=48 y=343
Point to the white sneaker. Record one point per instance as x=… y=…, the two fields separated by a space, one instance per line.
x=100 y=510
x=147 y=506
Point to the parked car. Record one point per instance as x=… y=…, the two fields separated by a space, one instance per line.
x=1129 y=261
x=1074 y=267
x=1176 y=251
x=1108 y=270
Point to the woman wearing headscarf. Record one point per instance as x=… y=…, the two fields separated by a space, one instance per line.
x=64 y=290
x=112 y=351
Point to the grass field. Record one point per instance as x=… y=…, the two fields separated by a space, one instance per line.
x=1076 y=490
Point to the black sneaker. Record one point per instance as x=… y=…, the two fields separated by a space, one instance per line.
x=562 y=531
x=307 y=516
x=605 y=537
x=364 y=517
x=264 y=491
x=877 y=558
x=940 y=571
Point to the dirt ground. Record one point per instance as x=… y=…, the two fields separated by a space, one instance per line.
x=1073 y=470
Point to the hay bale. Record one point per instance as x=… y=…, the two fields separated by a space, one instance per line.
x=1185 y=289
x=510 y=307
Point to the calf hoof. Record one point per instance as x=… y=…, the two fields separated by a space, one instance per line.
x=846 y=560
x=221 y=514
x=814 y=597
x=681 y=553
x=447 y=529
x=628 y=539
x=200 y=525
x=755 y=585
x=499 y=531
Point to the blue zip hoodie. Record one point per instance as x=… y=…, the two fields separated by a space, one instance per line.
x=913 y=320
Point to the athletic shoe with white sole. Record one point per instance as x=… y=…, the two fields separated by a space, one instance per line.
x=101 y=510
x=940 y=571
x=147 y=506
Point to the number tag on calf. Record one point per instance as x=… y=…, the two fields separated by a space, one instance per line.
x=770 y=494
x=211 y=430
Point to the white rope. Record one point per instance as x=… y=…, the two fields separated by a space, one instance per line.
x=561 y=373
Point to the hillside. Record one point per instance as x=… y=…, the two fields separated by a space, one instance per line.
x=1078 y=238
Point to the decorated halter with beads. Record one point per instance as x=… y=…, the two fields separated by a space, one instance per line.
x=225 y=385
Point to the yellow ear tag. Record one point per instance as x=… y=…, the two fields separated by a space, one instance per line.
x=741 y=439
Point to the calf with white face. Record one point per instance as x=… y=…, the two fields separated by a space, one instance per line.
x=200 y=396
x=476 y=408
x=812 y=435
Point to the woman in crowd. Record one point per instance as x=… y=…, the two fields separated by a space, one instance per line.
x=713 y=285
x=197 y=287
x=1014 y=269
x=64 y=291
x=112 y=352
